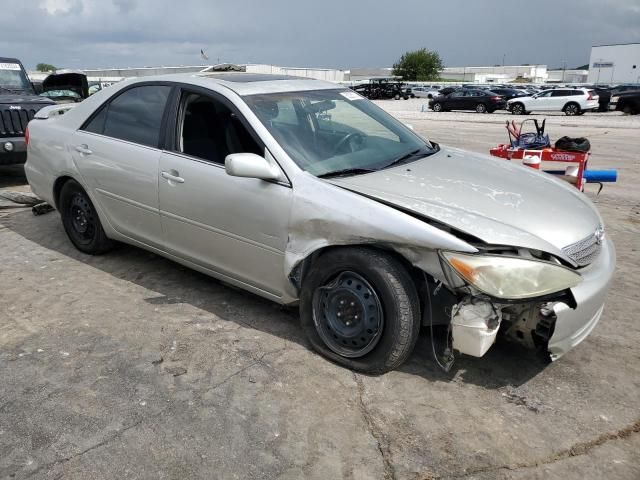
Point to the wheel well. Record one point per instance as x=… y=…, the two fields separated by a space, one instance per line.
x=570 y=103
x=57 y=188
x=298 y=274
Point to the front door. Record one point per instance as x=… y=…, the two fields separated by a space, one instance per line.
x=235 y=226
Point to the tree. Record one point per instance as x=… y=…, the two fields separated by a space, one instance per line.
x=418 y=65
x=45 y=67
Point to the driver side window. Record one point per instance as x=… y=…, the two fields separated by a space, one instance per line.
x=209 y=130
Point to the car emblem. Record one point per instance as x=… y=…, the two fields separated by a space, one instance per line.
x=599 y=234
x=15 y=107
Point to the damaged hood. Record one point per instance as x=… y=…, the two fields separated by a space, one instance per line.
x=497 y=201
x=73 y=80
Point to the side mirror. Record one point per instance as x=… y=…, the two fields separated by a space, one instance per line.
x=249 y=165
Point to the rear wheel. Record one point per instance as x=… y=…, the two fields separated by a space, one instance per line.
x=571 y=109
x=359 y=308
x=481 y=108
x=437 y=107
x=80 y=220
x=517 y=109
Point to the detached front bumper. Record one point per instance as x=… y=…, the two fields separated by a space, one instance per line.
x=573 y=326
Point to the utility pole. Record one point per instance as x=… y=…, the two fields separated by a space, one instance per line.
x=564 y=68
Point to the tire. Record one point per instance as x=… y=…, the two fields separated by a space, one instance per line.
x=481 y=108
x=437 y=107
x=629 y=110
x=517 y=109
x=571 y=109
x=396 y=97
x=386 y=335
x=80 y=220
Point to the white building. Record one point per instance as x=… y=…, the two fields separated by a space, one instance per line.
x=615 y=63
x=567 y=76
x=497 y=74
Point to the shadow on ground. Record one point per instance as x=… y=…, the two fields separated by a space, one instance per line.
x=504 y=364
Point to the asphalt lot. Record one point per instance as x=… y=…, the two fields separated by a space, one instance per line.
x=130 y=366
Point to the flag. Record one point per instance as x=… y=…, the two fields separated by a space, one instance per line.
x=203 y=55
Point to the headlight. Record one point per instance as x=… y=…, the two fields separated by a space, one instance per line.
x=614 y=99
x=511 y=278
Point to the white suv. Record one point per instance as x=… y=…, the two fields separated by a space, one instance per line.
x=571 y=101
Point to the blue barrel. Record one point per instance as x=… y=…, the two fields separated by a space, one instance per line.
x=600 y=176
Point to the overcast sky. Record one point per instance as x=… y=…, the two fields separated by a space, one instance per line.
x=313 y=33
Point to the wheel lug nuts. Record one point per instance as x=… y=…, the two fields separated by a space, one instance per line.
x=339 y=314
x=353 y=304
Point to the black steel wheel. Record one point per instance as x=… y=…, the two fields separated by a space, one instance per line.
x=348 y=315
x=80 y=220
x=359 y=308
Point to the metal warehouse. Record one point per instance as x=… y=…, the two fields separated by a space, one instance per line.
x=619 y=63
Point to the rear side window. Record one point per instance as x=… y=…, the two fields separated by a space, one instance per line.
x=134 y=116
x=560 y=93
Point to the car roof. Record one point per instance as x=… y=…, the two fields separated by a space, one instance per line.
x=245 y=83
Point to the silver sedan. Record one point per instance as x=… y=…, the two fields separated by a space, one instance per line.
x=306 y=193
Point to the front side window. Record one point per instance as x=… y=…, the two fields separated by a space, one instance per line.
x=330 y=131
x=134 y=116
x=209 y=130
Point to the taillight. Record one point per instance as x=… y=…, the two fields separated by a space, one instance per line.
x=26 y=136
x=590 y=97
x=496 y=98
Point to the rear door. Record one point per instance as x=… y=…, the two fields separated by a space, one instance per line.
x=559 y=99
x=236 y=227
x=117 y=152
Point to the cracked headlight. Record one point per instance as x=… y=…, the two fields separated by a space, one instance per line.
x=511 y=278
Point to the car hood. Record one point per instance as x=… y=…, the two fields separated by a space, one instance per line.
x=73 y=80
x=499 y=202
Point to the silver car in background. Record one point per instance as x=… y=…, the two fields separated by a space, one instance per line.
x=306 y=193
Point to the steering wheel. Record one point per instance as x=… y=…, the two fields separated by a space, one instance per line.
x=346 y=140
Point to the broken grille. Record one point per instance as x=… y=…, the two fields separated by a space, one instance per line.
x=585 y=251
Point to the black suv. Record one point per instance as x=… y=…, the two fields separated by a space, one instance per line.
x=18 y=104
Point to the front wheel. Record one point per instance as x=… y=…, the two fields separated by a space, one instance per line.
x=80 y=220
x=517 y=109
x=359 y=308
x=437 y=107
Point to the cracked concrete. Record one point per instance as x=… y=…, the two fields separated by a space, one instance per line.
x=89 y=347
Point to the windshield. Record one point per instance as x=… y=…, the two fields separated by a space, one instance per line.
x=331 y=131
x=12 y=77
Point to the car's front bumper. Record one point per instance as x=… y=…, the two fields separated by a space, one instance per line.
x=18 y=154
x=572 y=326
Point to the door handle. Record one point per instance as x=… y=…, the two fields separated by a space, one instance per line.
x=172 y=176
x=84 y=149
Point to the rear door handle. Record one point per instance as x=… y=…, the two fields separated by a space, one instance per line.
x=84 y=149
x=172 y=176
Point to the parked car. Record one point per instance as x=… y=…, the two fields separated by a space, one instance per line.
x=306 y=193
x=482 y=101
x=508 y=93
x=64 y=81
x=383 y=88
x=18 y=105
x=627 y=102
x=425 y=92
x=571 y=101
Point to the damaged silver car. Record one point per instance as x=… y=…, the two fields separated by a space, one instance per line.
x=305 y=192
